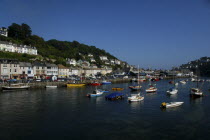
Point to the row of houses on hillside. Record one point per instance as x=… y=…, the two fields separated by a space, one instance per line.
x=10 y=47
x=13 y=69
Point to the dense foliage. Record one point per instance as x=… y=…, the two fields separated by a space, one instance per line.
x=53 y=49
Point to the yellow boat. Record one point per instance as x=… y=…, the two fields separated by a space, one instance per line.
x=75 y=85
x=117 y=88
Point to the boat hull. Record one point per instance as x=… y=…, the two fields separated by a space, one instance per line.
x=15 y=88
x=75 y=85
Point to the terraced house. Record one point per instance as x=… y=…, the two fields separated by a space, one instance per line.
x=10 y=47
x=9 y=69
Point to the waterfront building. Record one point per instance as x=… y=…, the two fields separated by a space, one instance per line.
x=63 y=72
x=75 y=71
x=26 y=70
x=39 y=70
x=9 y=69
x=4 y=31
x=51 y=71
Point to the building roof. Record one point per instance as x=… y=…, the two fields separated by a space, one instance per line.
x=60 y=66
x=25 y=64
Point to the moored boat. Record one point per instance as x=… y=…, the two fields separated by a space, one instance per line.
x=106 y=82
x=51 y=86
x=196 y=92
x=75 y=85
x=95 y=93
x=135 y=98
x=95 y=84
x=115 y=96
x=151 y=88
x=171 y=104
x=117 y=88
x=19 y=86
x=135 y=88
x=172 y=91
x=183 y=82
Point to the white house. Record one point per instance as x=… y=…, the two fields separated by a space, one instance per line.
x=71 y=62
x=117 y=62
x=26 y=70
x=103 y=58
x=51 y=69
x=9 y=47
x=63 y=71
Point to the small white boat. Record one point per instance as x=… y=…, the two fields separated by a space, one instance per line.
x=19 y=86
x=172 y=91
x=95 y=93
x=183 y=82
x=135 y=98
x=151 y=89
x=171 y=104
x=51 y=86
x=196 y=92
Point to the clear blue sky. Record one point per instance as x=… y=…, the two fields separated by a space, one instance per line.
x=149 y=33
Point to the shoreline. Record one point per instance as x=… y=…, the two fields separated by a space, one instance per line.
x=41 y=85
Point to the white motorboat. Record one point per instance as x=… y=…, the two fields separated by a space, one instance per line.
x=172 y=91
x=183 y=82
x=171 y=104
x=95 y=93
x=196 y=92
x=135 y=98
x=51 y=86
x=151 y=89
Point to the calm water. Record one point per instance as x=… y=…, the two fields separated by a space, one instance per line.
x=66 y=113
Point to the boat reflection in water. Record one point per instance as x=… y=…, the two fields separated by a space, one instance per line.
x=195 y=100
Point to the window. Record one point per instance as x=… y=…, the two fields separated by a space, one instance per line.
x=15 y=65
x=15 y=70
x=4 y=65
x=4 y=70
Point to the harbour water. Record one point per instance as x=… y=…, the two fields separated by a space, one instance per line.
x=66 y=113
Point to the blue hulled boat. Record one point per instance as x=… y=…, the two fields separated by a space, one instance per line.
x=115 y=96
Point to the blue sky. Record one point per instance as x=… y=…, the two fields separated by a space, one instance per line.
x=149 y=33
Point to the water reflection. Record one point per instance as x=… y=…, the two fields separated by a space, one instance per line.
x=136 y=105
x=196 y=100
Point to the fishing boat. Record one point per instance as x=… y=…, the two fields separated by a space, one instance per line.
x=117 y=88
x=172 y=91
x=115 y=96
x=19 y=86
x=151 y=88
x=75 y=85
x=95 y=93
x=106 y=82
x=171 y=104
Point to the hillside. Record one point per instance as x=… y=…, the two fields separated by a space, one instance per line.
x=52 y=49
x=202 y=65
